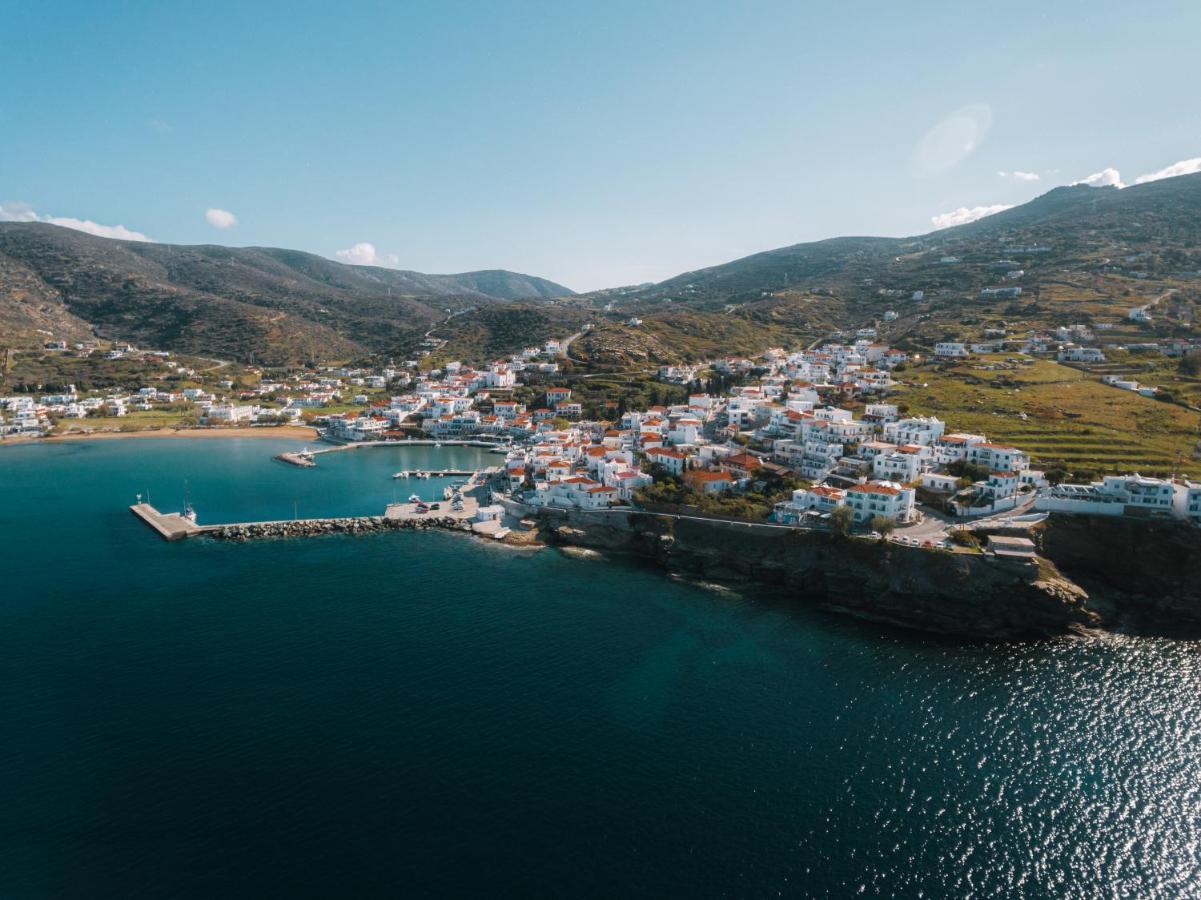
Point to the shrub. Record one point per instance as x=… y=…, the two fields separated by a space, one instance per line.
x=962 y=538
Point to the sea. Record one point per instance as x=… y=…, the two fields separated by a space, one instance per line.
x=429 y=714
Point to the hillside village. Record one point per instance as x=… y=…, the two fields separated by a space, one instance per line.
x=805 y=438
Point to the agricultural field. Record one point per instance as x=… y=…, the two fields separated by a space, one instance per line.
x=1163 y=372
x=1063 y=417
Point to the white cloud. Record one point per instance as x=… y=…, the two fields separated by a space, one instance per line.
x=23 y=212
x=364 y=254
x=1184 y=167
x=1110 y=177
x=16 y=211
x=1017 y=175
x=220 y=218
x=965 y=214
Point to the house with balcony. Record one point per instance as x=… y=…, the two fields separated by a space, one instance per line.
x=881 y=498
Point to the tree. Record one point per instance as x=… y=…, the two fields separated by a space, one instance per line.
x=971 y=471
x=885 y=525
x=1190 y=363
x=841 y=519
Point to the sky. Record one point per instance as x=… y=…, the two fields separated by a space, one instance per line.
x=595 y=144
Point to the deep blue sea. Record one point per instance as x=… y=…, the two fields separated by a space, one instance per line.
x=430 y=715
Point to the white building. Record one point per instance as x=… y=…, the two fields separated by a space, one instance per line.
x=1116 y=495
x=950 y=349
x=880 y=498
x=1073 y=353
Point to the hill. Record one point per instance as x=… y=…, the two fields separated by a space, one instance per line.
x=1068 y=221
x=1079 y=254
x=255 y=304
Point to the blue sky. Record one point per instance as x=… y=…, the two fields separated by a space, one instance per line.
x=595 y=144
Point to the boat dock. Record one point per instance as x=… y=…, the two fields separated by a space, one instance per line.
x=170 y=526
x=304 y=460
x=174 y=526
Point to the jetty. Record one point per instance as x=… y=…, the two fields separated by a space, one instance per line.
x=459 y=516
x=303 y=459
x=170 y=526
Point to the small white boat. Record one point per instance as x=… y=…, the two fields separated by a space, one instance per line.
x=413 y=498
x=402 y=474
x=447 y=492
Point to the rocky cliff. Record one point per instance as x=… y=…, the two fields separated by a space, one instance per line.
x=951 y=593
x=1141 y=575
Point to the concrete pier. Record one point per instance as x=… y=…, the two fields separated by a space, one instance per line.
x=173 y=526
x=170 y=526
x=303 y=460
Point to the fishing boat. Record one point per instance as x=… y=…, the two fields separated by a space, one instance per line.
x=188 y=512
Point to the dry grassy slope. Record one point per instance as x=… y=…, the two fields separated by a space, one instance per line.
x=31 y=312
x=253 y=304
x=1154 y=229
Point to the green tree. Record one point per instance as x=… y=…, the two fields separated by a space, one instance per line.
x=885 y=525
x=841 y=519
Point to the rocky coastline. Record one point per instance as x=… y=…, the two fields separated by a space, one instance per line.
x=972 y=595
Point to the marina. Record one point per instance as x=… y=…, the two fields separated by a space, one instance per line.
x=460 y=508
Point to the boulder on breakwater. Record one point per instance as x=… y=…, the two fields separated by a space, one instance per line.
x=311 y=527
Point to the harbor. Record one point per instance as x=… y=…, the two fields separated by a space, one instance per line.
x=460 y=509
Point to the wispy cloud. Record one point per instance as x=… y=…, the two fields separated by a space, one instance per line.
x=365 y=254
x=220 y=218
x=23 y=212
x=1018 y=175
x=1110 y=177
x=1184 y=167
x=966 y=214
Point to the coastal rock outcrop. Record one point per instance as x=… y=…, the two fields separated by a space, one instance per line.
x=967 y=594
x=1142 y=575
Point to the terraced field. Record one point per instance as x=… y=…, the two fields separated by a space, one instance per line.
x=1152 y=369
x=1063 y=417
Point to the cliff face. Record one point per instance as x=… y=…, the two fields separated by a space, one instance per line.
x=1141 y=575
x=950 y=593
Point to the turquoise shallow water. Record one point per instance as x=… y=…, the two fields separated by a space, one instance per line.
x=423 y=714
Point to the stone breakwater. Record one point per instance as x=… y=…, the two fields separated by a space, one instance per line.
x=311 y=527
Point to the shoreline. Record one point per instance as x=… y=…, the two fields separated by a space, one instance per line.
x=297 y=432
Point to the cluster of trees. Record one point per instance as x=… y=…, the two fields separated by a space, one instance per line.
x=968 y=473
x=755 y=504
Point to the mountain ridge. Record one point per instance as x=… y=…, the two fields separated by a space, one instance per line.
x=256 y=304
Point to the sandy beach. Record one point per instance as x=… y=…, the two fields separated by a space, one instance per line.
x=297 y=432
